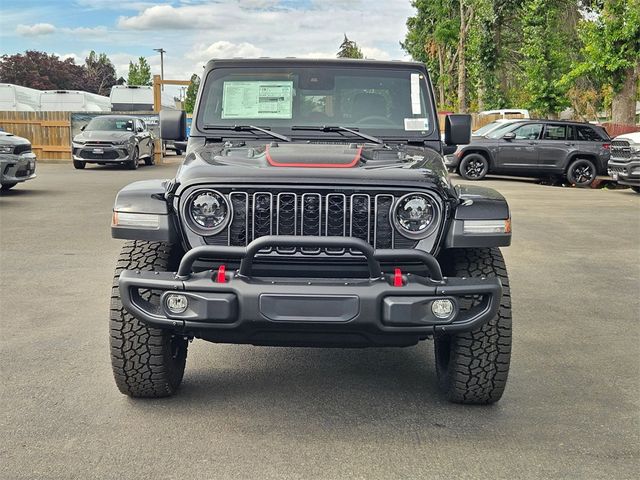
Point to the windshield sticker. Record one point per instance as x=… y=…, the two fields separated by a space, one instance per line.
x=257 y=99
x=416 y=124
x=415 y=94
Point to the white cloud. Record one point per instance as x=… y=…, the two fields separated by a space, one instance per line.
x=35 y=30
x=224 y=49
x=86 y=31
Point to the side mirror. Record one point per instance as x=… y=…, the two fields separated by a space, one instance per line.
x=173 y=125
x=509 y=136
x=83 y=127
x=457 y=129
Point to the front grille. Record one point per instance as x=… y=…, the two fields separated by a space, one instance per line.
x=107 y=155
x=621 y=149
x=311 y=213
x=19 y=149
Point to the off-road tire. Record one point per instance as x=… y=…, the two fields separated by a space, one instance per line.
x=151 y=159
x=473 y=366
x=473 y=166
x=135 y=160
x=147 y=362
x=7 y=186
x=578 y=165
x=78 y=165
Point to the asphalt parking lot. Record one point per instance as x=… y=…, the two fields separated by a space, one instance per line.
x=571 y=409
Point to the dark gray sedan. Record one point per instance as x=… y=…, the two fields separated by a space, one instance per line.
x=111 y=139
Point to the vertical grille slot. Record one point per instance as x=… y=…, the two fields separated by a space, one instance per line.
x=239 y=226
x=287 y=218
x=311 y=220
x=262 y=208
x=383 y=231
x=336 y=218
x=360 y=216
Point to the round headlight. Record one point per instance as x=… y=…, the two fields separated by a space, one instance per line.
x=415 y=215
x=208 y=211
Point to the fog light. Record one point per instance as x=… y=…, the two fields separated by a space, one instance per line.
x=442 y=308
x=176 y=303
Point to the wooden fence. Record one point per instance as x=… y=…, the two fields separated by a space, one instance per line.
x=49 y=132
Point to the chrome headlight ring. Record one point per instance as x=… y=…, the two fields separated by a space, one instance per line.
x=206 y=212
x=419 y=217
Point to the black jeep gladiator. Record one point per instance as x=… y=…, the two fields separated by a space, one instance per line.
x=312 y=209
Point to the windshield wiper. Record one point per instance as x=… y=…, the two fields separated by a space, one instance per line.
x=248 y=128
x=337 y=128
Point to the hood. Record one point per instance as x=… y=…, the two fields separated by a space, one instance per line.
x=633 y=137
x=353 y=164
x=102 y=136
x=10 y=139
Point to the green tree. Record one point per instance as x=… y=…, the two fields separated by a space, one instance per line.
x=349 y=49
x=610 y=36
x=545 y=55
x=99 y=74
x=139 y=73
x=192 y=92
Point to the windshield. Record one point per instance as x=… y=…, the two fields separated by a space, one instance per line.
x=376 y=100
x=487 y=128
x=109 y=124
x=498 y=132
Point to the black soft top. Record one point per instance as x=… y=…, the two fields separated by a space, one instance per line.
x=311 y=62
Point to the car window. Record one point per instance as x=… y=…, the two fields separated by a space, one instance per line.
x=487 y=128
x=555 y=132
x=499 y=131
x=530 y=131
x=587 y=134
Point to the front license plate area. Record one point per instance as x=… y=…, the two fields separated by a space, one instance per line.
x=309 y=308
x=98 y=151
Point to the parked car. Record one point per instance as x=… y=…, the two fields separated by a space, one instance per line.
x=533 y=148
x=17 y=161
x=624 y=165
x=312 y=209
x=109 y=139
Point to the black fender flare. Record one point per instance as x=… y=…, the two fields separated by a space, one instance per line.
x=141 y=212
x=478 y=203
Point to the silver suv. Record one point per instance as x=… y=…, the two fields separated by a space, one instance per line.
x=17 y=161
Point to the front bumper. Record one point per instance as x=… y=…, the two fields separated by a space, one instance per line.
x=101 y=153
x=451 y=161
x=17 y=168
x=237 y=307
x=625 y=172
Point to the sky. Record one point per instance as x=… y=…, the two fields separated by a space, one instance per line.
x=194 y=31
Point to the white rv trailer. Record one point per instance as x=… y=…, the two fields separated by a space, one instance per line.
x=14 y=98
x=73 y=101
x=136 y=98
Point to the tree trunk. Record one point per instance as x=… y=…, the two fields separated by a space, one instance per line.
x=623 y=105
x=441 y=77
x=462 y=68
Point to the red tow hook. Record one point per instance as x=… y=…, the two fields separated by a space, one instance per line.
x=221 y=277
x=397 y=278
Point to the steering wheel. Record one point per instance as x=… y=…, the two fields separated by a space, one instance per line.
x=374 y=118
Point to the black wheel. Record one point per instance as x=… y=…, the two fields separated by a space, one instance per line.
x=77 y=164
x=473 y=366
x=636 y=189
x=581 y=172
x=146 y=361
x=474 y=167
x=178 y=152
x=7 y=186
x=135 y=157
x=151 y=159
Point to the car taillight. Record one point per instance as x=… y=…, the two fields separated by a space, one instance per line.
x=606 y=146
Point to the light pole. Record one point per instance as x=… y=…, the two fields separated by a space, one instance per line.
x=162 y=51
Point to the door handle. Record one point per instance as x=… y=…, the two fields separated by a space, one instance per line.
x=569 y=144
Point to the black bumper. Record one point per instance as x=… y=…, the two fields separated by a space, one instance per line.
x=236 y=307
